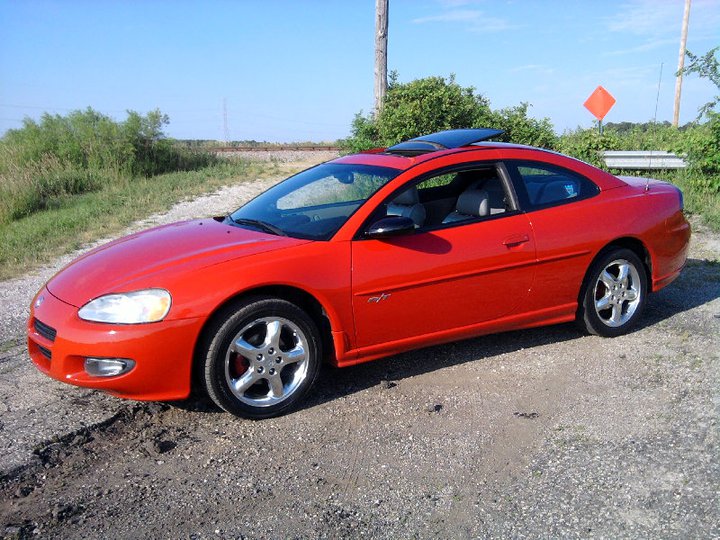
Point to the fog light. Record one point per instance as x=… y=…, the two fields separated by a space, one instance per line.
x=108 y=367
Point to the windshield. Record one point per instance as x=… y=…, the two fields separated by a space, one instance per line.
x=315 y=203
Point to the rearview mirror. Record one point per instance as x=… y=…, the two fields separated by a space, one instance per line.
x=391 y=226
x=345 y=177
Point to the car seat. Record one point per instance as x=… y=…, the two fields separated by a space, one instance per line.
x=407 y=204
x=471 y=203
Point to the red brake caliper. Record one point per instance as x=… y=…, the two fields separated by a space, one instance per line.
x=240 y=365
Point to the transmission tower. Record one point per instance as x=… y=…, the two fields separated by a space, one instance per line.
x=226 y=129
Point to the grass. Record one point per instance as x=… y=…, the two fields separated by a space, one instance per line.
x=706 y=205
x=76 y=220
x=708 y=208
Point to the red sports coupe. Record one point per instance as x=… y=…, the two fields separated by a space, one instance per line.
x=435 y=239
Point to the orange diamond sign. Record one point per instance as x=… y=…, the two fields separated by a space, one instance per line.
x=599 y=103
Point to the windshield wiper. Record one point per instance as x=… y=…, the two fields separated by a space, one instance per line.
x=267 y=227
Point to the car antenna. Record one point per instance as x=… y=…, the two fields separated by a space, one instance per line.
x=654 y=124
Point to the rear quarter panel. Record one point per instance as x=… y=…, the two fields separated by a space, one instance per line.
x=570 y=236
x=667 y=232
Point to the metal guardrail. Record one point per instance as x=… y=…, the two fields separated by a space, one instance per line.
x=642 y=160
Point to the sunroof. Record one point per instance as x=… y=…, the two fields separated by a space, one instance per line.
x=452 y=138
x=414 y=147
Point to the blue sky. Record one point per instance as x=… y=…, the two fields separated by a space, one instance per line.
x=299 y=70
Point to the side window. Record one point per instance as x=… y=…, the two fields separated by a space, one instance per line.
x=549 y=185
x=453 y=197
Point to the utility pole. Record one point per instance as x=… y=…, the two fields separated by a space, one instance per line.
x=681 y=64
x=381 y=36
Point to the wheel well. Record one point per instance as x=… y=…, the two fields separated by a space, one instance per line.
x=300 y=298
x=634 y=245
x=637 y=247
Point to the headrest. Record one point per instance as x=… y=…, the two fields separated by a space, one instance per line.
x=473 y=202
x=408 y=197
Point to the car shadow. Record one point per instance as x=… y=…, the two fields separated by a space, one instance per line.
x=334 y=383
x=698 y=284
x=387 y=372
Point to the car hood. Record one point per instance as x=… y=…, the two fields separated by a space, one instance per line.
x=139 y=260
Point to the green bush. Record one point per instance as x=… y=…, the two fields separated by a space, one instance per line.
x=521 y=129
x=702 y=146
x=435 y=104
x=588 y=145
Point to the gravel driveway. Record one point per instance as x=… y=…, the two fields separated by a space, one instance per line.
x=543 y=433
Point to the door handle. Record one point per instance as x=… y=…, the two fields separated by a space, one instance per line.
x=515 y=240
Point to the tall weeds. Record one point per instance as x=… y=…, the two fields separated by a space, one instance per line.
x=60 y=156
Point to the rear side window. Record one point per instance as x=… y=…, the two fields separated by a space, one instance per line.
x=548 y=185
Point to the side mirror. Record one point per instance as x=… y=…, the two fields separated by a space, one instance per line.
x=391 y=226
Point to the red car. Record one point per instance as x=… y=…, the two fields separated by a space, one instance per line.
x=435 y=239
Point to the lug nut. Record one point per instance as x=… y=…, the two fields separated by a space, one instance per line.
x=278 y=360
x=259 y=356
x=272 y=371
x=260 y=369
x=271 y=350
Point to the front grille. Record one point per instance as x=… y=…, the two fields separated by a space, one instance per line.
x=48 y=332
x=45 y=352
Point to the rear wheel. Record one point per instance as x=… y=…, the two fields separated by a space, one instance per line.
x=261 y=358
x=614 y=294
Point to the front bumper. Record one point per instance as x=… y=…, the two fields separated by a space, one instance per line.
x=59 y=341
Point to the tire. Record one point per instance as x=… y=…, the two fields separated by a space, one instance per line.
x=614 y=293
x=261 y=357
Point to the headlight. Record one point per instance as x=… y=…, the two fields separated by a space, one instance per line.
x=150 y=305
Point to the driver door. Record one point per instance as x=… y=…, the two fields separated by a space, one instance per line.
x=443 y=277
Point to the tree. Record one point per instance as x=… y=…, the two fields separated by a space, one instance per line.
x=702 y=145
x=706 y=67
x=435 y=104
x=521 y=129
x=428 y=105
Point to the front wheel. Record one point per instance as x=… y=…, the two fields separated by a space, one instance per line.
x=261 y=358
x=614 y=294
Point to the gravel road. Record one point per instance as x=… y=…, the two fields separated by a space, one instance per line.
x=544 y=433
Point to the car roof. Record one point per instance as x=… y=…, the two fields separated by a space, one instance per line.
x=410 y=153
x=419 y=149
x=380 y=157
